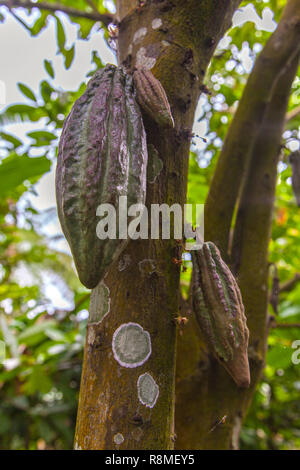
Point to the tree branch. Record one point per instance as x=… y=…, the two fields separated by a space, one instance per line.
x=92 y=5
x=292 y=114
x=254 y=217
x=234 y=159
x=274 y=324
x=289 y=116
x=289 y=285
x=104 y=18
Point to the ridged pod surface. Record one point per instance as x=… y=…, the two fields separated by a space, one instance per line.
x=152 y=97
x=102 y=155
x=219 y=310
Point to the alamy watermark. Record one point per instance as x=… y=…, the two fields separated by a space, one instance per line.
x=160 y=221
x=296 y=354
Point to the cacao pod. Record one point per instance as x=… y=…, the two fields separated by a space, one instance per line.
x=152 y=97
x=219 y=310
x=102 y=155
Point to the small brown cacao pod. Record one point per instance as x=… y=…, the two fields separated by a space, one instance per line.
x=102 y=155
x=219 y=310
x=152 y=97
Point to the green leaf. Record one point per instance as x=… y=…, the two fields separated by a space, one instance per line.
x=15 y=169
x=85 y=27
x=38 y=381
x=26 y=335
x=40 y=23
x=286 y=311
x=56 y=335
x=97 y=61
x=49 y=68
x=21 y=112
x=27 y=91
x=46 y=91
x=43 y=137
x=21 y=109
x=279 y=357
x=11 y=139
x=69 y=56
x=60 y=34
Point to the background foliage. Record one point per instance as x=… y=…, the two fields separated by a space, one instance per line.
x=39 y=380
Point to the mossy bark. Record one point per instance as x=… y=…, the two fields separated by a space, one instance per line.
x=176 y=40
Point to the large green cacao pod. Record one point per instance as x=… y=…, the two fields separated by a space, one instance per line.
x=219 y=310
x=102 y=155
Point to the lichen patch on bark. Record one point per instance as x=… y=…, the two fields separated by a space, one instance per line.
x=118 y=439
x=131 y=345
x=156 y=23
x=147 y=266
x=139 y=34
x=100 y=303
x=148 y=390
x=143 y=61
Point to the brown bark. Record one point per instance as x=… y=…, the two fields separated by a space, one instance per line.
x=177 y=46
x=290 y=284
x=205 y=393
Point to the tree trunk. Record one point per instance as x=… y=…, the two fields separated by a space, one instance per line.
x=140 y=294
x=248 y=165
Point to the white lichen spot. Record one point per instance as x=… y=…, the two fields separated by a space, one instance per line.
x=124 y=262
x=147 y=266
x=156 y=23
x=165 y=43
x=118 y=439
x=100 y=303
x=130 y=48
x=139 y=34
x=131 y=345
x=91 y=335
x=143 y=61
x=148 y=390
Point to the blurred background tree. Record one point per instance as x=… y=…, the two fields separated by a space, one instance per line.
x=39 y=379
